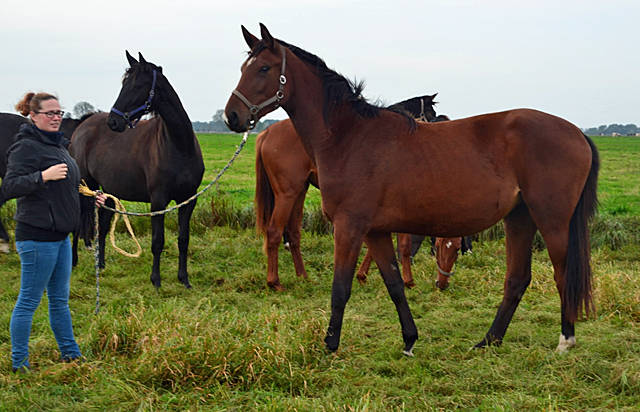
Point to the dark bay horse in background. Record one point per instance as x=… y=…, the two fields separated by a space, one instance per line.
x=284 y=172
x=534 y=170
x=9 y=126
x=156 y=162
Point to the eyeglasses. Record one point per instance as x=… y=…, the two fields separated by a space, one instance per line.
x=51 y=115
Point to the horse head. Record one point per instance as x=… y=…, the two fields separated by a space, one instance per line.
x=136 y=96
x=261 y=88
x=446 y=255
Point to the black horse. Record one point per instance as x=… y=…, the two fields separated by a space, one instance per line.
x=155 y=161
x=9 y=125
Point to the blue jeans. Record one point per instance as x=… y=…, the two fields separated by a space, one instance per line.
x=45 y=266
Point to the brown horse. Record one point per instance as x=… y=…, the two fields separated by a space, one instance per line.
x=534 y=170
x=284 y=172
x=156 y=162
x=446 y=251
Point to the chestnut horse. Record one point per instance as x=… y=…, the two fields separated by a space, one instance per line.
x=9 y=126
x=156 y=162
x=284 y=172
x=534 y=170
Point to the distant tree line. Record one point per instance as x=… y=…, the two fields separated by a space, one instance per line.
x=217 y=125
x=623 y=130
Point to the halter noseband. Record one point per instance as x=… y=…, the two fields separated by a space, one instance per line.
x=146 y=106
x=442 y=272
x=254 y=109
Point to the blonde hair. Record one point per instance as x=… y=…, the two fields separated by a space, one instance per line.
x=31 y=102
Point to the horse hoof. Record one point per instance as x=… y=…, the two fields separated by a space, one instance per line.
x=362 y=279
x=565 y=344
x=277 y=287
x=410 y=285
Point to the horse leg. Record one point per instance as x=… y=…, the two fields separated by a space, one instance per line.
x=381 y=247
x=293 y=233
x=157 y=245
x=345 y=257
x=104 y=222
x=404 y=247
x=364 y=268
x=184 y=216
x=5 y=246
x=520 y=230
x=280 y=217
x=558 y=242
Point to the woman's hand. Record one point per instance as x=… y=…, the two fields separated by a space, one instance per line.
x=55 y=172
x=101 y=198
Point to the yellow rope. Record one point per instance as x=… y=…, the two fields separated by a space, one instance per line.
x=84 y=189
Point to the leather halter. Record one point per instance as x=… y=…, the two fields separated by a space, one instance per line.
x=146 y=106
x=423 y=117
x=254 y=109
x=442 y=272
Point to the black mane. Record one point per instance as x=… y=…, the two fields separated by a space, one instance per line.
x=337 y=88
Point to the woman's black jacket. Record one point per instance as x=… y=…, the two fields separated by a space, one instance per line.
x=54 y=205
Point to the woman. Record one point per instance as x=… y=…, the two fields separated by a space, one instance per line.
x=44 y=178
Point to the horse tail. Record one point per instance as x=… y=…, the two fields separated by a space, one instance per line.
x=264 y=198
x=577 y=292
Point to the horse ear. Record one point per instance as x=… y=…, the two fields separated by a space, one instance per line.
x=130 y=59
x=143 y=62
x=249 y=38
x=433 y=96
x=266 y=36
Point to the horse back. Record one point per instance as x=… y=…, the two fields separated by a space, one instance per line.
x=490 y=162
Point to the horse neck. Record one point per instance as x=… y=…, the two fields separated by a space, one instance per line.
x=305 y=110
x=174 y=116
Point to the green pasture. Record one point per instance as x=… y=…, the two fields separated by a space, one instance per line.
x=231 y=344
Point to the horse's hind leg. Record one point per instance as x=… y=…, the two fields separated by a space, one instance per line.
x=293 y=233
x=520 y=230
x=184 y=217
x=361 y=275
x=381 y=247
x=404 y=247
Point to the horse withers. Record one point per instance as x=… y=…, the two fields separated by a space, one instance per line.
x=536 y=171
x=153 y=161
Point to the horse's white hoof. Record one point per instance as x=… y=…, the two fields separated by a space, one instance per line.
x=408 y=352
x=565 y=344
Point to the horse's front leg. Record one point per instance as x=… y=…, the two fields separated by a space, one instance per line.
x=345 y=257
x=381 y=246
x=184 y=217
x=157 y=245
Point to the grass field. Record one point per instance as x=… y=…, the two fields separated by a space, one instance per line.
x=230 y=344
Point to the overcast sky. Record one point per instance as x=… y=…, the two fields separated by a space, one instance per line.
x=577 y=59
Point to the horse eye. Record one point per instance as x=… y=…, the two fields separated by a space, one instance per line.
x=265 y=69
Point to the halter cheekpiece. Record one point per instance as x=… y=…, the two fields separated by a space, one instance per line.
x=146 y=106
x=254 y=109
